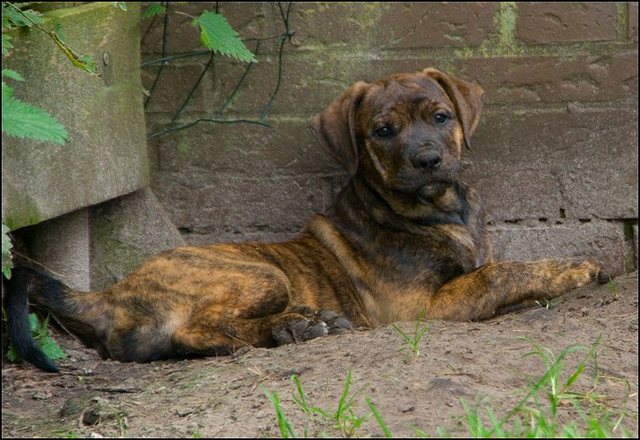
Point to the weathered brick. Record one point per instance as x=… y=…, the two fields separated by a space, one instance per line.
x=288 y=148
x=181 y=35
x=175 y=84
x=339 y=24
x=202 y=202
x=309 y=82
x=124 y=233
x=597 y=239
x=501 y=189
x=552 y=79
x=635 y=244
x=633 y=21
x=559 y=22
x=62 y=245
x=592 y=154
x=416 y=25
x=386 y=25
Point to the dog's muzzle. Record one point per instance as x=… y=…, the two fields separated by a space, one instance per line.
x=429 y=160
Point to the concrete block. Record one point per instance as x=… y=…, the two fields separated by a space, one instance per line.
x=502 y=190
x=174 y=85
x=418 y=25
x=309 y=81
x=555 y=22
x=337 y=25
x=588 y=157
x=289 y=147
x=106 y=155
x=633 y=21
x=634 y=228
x=124 y=233
x=181 y=36
x=597 y=239
x=553 y=79
x=62 y=246
x=201 y=203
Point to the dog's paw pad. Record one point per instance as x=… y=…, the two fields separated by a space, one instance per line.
x=313 y=325
x=315 y=331
x=603 y=277
x=340 y=325
x=337 y=324
x=299 y=331
x=283 y=336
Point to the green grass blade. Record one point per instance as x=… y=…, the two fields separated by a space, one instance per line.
x=286 y=431
x=376 y=415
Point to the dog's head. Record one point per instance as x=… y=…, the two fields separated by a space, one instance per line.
x=405 y=132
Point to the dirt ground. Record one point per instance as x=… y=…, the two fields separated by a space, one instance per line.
x=225 y=396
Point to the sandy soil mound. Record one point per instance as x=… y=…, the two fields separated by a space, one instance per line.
x=225 y=396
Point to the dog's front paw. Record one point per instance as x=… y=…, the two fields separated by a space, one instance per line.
x=310 y=326
x=299 y=330
x=337 y=324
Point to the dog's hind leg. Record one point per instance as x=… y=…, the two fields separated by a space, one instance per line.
x=207 y=333
x=479 y=294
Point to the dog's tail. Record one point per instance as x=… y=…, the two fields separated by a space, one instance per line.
x=17 y=307
x=30 y=284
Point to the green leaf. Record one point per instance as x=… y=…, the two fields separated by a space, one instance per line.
x=84 y=62
x=217 y=35
x=6 y=44
x=11 y=17
x=120 y=5
x=34 y=323
x=23 y=120
x=7 y=263
x=40 y=333
x=88 y=64
x=153 y=10
x=52 y=349
x=7 y=90
x=12 y=74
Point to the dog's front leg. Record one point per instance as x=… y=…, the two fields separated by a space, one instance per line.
x=478 y=294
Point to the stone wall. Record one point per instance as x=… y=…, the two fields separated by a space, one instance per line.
x=555 y=156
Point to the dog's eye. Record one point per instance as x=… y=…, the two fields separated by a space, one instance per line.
x=385 y=132
x=441 y=118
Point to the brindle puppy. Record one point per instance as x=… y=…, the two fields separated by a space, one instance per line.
x=405 y=235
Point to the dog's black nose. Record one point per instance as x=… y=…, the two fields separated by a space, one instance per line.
x=429 y=160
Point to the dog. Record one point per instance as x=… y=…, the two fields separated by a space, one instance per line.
x=405 y=238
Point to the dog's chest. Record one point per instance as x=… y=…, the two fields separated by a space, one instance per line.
x=428 y=260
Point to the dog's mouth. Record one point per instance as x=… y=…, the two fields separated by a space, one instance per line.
x=425 y=185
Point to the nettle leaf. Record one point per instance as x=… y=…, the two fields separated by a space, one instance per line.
x=6 y=44
x=12 y=74
x=153 y=10
x=7 y=264
x=217 y=35
x=23 y=120
x=84 y=62
x=40 y=333
x=87 y=64
x=27 y=18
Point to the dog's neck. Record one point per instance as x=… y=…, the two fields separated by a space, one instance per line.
x=397 y=211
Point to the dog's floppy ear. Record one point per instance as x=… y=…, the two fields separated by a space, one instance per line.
x=335 y=127
x=466 y=96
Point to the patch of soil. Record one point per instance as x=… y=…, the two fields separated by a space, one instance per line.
x=225 y=396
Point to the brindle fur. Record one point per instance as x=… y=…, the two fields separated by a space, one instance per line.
x=405 y=235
